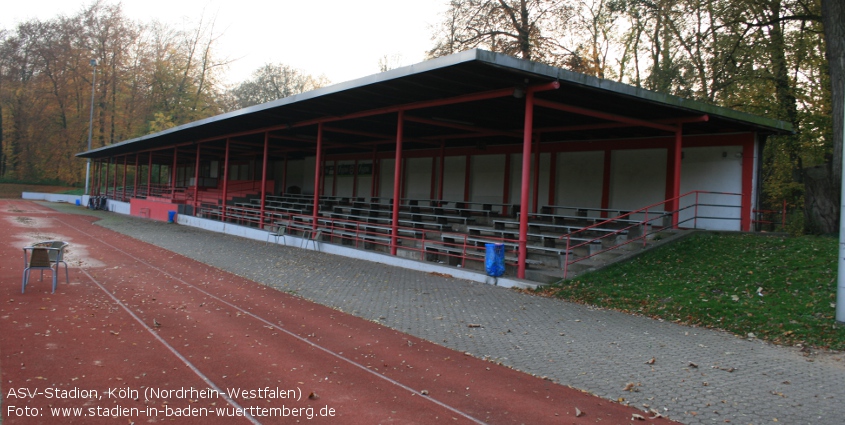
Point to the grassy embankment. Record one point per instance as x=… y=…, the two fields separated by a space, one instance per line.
x=781 y=289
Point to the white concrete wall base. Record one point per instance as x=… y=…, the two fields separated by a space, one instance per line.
x=53 y=197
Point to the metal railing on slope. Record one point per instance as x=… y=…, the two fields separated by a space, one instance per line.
x=638 y=225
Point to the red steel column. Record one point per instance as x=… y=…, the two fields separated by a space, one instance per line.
x=536 y=196
x=397 y=175
x=318 y=163
x=552 y=177
x=747 y=183
x=135 y=182
x=526 y=179
x=173 y=173
x=123 y=192
x=264 y=180
x=225 y=180
x=114 y=183
x=197 y=180
x=106 y=185
x=149 y=173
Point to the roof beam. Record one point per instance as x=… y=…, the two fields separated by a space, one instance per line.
x=604 y=115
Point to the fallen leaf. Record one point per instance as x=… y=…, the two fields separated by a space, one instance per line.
x=650 y=361
x=473 y=325
x=691 y=364
x=637 y=417
x=578 y=413
x=313 y=396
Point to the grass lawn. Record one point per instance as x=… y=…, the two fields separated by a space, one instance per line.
x=14 y=190
x=781 y=289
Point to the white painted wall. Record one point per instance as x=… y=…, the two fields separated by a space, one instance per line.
x=301 y=173
x=418 y=178
x=638 y=178
x=714 y=169
x=54 y=197
x=385 y=178
x=487 y=179
x=580 y=176
x=454 y=178
x=344 y=183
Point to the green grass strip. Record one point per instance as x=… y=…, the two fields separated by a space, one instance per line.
x=781 y=289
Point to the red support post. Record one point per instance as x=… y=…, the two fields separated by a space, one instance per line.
x=106 y=174
x=747 y=186
x=135 y=182
x=527 y=134
x=123 y=192
x=149 y=173
x=264 y=180
x=173 y=173
x=225 y=180
x=318 y=163
x=114 y=182
x=197 y=180
x=397 y=175
x=536 y=197
x=552 y=177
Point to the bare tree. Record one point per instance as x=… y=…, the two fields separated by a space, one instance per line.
x=530 y=29
x=274 y=81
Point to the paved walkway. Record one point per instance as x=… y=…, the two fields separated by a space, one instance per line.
x=698 y=376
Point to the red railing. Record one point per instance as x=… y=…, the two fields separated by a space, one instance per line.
x=770 y=217
x=640 y=224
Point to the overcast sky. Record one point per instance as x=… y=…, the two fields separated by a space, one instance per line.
x=341 y=39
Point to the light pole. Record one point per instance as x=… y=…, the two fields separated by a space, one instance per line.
x=91 y=124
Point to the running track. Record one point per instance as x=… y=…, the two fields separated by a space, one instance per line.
x=219 y=333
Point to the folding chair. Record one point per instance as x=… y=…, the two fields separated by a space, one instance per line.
x=44 y=256
x=277 y=231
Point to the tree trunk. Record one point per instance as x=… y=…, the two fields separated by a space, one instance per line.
x=821 y=208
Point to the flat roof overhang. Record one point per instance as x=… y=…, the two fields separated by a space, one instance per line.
x=456 y=100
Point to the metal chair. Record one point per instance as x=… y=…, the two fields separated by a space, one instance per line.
x=312 y=236
x=277 y=231
x=44 y=256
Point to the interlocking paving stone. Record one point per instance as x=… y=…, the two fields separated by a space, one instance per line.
x=600 y=351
